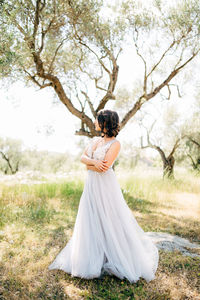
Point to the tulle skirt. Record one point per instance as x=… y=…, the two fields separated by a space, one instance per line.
x=107 y=238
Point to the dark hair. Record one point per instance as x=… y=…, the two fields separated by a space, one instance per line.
x=109 y=120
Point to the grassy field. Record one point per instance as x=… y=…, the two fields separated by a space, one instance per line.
x=36 y=221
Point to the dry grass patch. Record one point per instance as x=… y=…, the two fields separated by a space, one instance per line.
x=37 y=221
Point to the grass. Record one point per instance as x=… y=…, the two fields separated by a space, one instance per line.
x=37 y=220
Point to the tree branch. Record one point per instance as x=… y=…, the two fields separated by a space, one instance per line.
x=192 y=160
x=144 y=98
x=195 y=142
x=113 y=75
x=36 y=20
x=150 y=145
x=90 y=103
x=44 y=32
x=176 y=145
x=144 y=61
x=161 y=58
x=177 y=87
x=170 y=77
x=54 y=57
x=82 y=132
x=169 y=90
x=8 y=161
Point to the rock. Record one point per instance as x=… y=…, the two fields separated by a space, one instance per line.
x=169 y=242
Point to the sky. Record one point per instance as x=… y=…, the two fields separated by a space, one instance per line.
x=30 y=114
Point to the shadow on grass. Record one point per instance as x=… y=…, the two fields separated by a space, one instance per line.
x=60 y=285
x=45 y=287
x=183 y=227
x=138 y=204
x=56 y=284
x=58 y=238
x=57 y=224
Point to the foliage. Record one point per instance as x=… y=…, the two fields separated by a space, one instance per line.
x=165 y=134
x=46 y=162
x=73 y=47
x=190 y=150
x=10 y=155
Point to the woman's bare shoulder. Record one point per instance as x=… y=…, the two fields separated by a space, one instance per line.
x=117 y=143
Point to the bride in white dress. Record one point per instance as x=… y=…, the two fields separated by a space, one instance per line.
x=107 y=238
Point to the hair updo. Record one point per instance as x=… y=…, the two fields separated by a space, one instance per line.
x=109 y=120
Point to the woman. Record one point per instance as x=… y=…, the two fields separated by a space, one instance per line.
x=106 y=238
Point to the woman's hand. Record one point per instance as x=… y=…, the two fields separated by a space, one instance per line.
x=93 y=168
x=101 y=165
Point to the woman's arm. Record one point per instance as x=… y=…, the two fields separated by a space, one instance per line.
x=93 y=168
x=112 y=153
x=100 y=165
x=87 y=160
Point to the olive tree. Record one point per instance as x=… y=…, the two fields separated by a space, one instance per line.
x=10 y=155
x=191 y=147
x=66 y=46
x=72 y=47
x=166 y=135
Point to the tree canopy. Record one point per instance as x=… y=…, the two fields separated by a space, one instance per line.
x=73 y=47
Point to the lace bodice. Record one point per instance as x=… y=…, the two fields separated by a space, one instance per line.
x=100 y=151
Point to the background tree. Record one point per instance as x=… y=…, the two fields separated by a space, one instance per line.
x=191 y=148
x=166 y=138
x=193 y=151
x=47 y=162
x=7 y=56
x=10 y=155
x=189 y=152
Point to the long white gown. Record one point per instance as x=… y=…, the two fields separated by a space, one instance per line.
x=106 y=238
